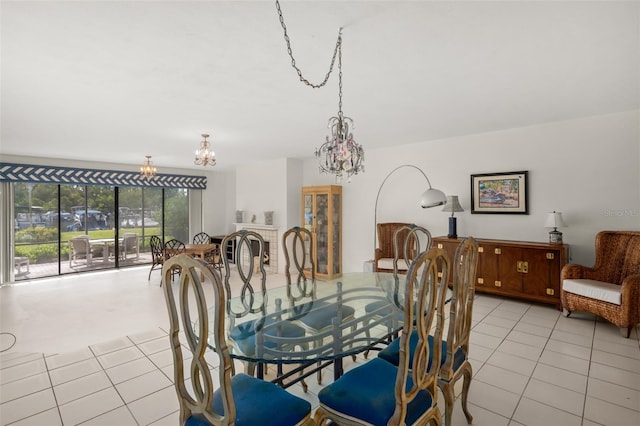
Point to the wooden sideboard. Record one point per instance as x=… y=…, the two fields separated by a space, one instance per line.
x=525 y=270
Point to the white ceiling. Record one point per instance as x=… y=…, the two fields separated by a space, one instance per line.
x=115 y=81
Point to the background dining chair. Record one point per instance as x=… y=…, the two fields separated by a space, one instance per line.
x=251 y=277
x=611 y=288
x=380 y=393
x=172 y=248
x=408 y=242
x=201 y=238
x=315 y=316
x=297 y=246
x=455 y=362
x=231 y=399
x=213 y=257
x=157 y=254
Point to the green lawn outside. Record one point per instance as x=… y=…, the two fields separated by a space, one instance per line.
x=46 y=252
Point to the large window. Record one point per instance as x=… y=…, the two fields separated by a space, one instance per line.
x=61 y=229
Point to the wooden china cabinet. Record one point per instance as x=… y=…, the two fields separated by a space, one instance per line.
x=322 y=215
x=521 y=269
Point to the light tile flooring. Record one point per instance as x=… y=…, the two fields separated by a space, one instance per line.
x=93 y=350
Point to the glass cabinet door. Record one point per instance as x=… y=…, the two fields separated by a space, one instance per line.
x=307 y=216
x=322 y=233
x=335 y=240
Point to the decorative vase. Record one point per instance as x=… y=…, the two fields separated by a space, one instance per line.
x=268 y=218
x=239 y=216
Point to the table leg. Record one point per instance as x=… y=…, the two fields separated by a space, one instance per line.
x=260 y=371
x=337 y=368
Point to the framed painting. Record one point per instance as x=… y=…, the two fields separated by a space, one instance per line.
x=499 y=193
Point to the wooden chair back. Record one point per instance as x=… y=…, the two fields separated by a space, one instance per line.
x=198 y=399
x=425 y=293
x=461 y=304
x=297 y=245
x=249 y=255
x=407 y=245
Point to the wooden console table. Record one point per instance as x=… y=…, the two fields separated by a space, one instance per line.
x=525 y=270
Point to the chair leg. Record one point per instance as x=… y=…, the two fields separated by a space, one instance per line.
x=566 y=312
x=625 y=332
x=449 y=399
x=465 y=393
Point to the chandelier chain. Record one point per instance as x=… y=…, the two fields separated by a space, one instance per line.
x=293 y=61
x=340 y=75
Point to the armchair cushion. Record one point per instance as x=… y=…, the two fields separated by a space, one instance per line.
x=387 y=263
x=593 y=289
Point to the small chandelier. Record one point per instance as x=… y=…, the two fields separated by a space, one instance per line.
x=205 y=155
x=340 y=154
x=147 y=170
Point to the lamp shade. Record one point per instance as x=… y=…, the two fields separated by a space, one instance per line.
x=453 y=205
x=432 y=197
x=554 y=220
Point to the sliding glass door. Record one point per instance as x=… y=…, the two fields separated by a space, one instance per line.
x=61 y=229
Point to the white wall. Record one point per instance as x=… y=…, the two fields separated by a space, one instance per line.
x=589 y=169
x=294 y=194
x=218 y=203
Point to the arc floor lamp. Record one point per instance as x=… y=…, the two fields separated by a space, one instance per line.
x=430 y=198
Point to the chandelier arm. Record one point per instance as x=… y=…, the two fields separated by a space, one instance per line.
x=293 y=61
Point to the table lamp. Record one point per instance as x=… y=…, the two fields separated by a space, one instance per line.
x=554 y=220
x=452 y=205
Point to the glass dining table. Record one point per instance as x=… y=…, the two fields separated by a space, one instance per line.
x=377 y=299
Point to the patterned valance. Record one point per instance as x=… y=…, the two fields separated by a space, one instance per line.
x=74 y=176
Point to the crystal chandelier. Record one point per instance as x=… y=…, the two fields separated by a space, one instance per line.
x=205 y=155
x=340 y=154
x=147 y=170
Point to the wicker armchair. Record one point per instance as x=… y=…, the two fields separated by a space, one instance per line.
x=385 y=253
x=611 y=288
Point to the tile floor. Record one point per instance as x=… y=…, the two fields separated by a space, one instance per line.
x=93 y=350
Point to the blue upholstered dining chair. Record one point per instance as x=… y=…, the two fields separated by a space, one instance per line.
x=315 y=316
x=250 y=279
x=408 y=242
x=231 y=399
x=380 y=393
x=455 y=364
